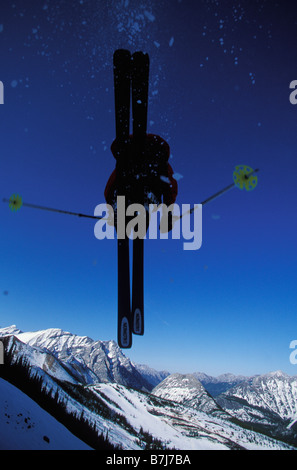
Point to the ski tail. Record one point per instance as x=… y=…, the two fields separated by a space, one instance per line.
x=138 y=287
x=124 y=305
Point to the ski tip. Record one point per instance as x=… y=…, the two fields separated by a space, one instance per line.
x=121 y=54
x=140 y=55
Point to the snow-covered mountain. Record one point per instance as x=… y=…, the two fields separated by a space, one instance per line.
x=187 y=390
x=102 y=398
x=123 y=417
x=87 y=360
x=268 y=402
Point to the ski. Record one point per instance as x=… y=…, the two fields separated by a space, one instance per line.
x=140 y=81
x=122 y=87
x=138 y=287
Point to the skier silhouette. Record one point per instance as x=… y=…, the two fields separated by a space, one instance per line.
x=144 y=173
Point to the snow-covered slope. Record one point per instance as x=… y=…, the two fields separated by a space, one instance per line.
x=275 y=391
x=187 y=390
x=178 y=426
x=38 y=359
x=268 y=400
x=26 y=426
x=42 y=365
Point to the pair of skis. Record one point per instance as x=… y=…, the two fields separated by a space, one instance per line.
x=131 y=77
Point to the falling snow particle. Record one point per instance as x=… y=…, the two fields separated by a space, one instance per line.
x=157 y=44
x=149 y=16
x=171 y=42
x=14 y=83
x=165 y=179
x=177 y=176
x=1 y=28
x=252 y=77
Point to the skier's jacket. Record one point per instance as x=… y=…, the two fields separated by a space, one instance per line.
x=142 y=172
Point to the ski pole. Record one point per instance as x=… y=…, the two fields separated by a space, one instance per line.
x=35 y=206
x=241 y=176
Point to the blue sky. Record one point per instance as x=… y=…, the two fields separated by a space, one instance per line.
x=219 y=94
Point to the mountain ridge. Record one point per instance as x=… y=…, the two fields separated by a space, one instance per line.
x=132 y=419
x=46 y=339
x=268 y=402
x=91 y=361
x=98 y=381
x=187 y=390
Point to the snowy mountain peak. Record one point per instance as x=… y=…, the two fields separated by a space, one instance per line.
x=276 y=374
x=10 y=330
x=54 y=339
x=87 y=360
x=229 y=378
x=269 y=400
x=187 y=390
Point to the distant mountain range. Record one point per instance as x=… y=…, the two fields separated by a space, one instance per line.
x=103 y=361
x=268 y=402
x=104 y=399
x=220 y=384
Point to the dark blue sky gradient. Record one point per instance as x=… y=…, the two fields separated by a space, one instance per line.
x=219 y=93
